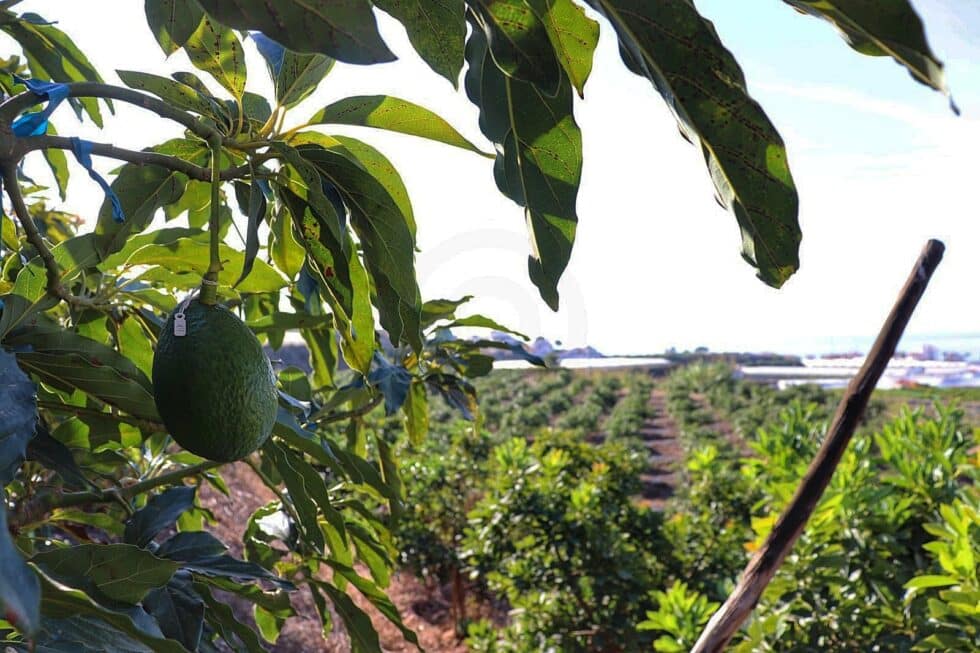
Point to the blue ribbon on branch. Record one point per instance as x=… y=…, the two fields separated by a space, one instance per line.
x=36 y=124
x=83 y=154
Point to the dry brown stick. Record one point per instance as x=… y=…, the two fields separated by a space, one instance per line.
x=788 y=528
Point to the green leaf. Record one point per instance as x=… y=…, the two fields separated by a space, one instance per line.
x=484 y=323
x=142 y=189
x=216 y=50
x=179 y=611
x=519 y=44
x=393 y=114
x=363 y=636
x=416 y=409
x=670 y=44
x=289 y=321
x=121 y=572
x=377 y=598
x=340 y=272
x=83 y=634
x=299 y=486
x=69 y=361
x=573 y=36
x=286 y=252
x=224 y=566
x=192 y=255
x=299 y=76
x=539 y=164
x=58 y=162
x=926 y=580
x=18 y=416
x=343 y=29
x=220 y=616
x=135 y=343
x=160 y=512
x=883 y=29
x=55 y=456
x=63 y=601
x=392 y=381
x=29 y=295
x=256 y=213
x=191 y=545
x=172 y=22
x=173 y=92
x=386 y=238
x=20 y=592
x=53 y=56
x=441 y=309
x=436 y=29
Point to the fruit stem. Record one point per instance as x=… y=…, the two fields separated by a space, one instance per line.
x=209 y=285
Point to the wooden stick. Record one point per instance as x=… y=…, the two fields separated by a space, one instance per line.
x=760 y=570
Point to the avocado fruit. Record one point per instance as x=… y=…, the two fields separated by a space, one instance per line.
x=214 y=386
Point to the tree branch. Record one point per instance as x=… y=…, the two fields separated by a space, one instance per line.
x=142 y=424
x=200 y=173
x=348 y=414
x=34 y=509
x=55 y=287
x=12 y=107
x=792 y=521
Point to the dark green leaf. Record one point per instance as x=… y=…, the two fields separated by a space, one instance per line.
x=539 y=164
x=68 y=361
x=458 y=393
x=224 y=566
x=83 y=634
x=51 y=453
x=220 y=616
x=299 y=486
x=883 y=29
x=670 y=44
x=142 y=189
x=121 y=572
x=160 y=512
x=58 y=162
x=393 y=114
x=363 y=636
x=63 y=601
x=573 y=36
x=256 y=213
x=386 y=238
x=20 y=592
x=190 y=546
x=519 y=43
x=340 y=272
x=436 y=29
x=377 y=598
x=216 y=50
x=172 y=22
x=18 y=416
x=392 y=381
x=343 y=29
x=179 y=611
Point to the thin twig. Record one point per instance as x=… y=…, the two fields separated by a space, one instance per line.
x=200 y=173
x=348 y=414
x=55 y=287
x=13 y=106
x=34 y=509
x=143 y=424
x=761 y=569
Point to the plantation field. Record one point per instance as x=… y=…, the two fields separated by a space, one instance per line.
x=609 y=511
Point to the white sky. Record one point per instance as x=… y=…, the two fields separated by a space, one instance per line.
x=880 y=162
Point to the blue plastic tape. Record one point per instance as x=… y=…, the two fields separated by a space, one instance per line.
x=83 y=153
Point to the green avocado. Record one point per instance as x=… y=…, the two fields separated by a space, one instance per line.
x=214 y=386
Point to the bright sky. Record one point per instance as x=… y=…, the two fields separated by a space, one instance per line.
x=880 y=162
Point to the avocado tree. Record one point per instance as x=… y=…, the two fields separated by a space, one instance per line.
x=103 y=545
